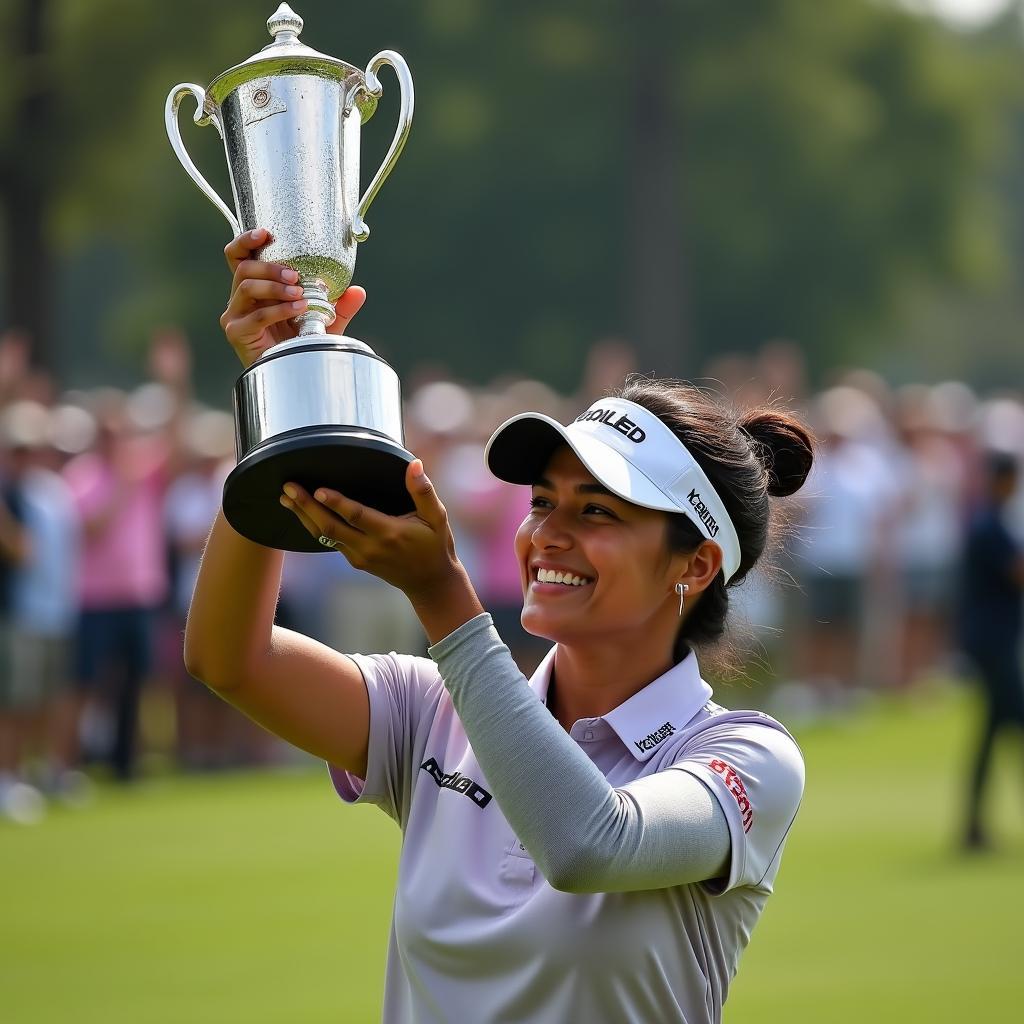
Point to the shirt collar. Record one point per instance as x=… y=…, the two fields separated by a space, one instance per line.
x=652 y=715
x=541 y=678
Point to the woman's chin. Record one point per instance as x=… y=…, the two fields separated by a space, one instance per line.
x=543 y=623
x=536 y=623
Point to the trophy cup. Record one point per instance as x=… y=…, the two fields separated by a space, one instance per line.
x=320 y=409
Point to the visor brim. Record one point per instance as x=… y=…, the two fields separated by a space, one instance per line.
x=520 y=448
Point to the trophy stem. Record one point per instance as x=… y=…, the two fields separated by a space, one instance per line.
x=319 y=314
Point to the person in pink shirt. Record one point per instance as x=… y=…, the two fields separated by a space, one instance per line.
x=118 y=488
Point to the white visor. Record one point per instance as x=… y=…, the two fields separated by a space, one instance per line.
x=630 y=451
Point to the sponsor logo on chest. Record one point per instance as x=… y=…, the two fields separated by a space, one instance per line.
x=652 y=739
x=456 y=781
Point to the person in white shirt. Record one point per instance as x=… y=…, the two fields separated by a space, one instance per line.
x=595 y=843
x=43 y=611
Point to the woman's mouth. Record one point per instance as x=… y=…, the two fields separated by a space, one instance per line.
x=552 y=578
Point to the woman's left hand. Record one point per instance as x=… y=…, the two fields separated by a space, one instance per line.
x=414 y=552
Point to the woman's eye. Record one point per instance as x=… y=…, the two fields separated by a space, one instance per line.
x=599 y=510
x=537 y=502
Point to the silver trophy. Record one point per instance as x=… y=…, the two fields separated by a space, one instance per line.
x=321 y=410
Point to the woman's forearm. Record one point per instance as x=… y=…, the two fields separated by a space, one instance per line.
x=447 y=604
x=231 y=618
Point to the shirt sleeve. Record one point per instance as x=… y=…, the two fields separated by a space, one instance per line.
x=756 y=773
x=403 y=693
x=584 y=835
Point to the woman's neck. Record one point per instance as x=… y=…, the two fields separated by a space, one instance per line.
x=589 y=682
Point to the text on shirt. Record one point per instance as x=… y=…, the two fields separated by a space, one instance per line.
x=652 y=739
x=735 y=786
x=458 y=782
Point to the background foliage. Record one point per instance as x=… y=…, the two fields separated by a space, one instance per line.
x=694 y=177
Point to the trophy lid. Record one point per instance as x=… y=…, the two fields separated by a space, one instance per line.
x=285 y=55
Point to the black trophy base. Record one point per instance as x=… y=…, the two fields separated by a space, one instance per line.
x=367 y=467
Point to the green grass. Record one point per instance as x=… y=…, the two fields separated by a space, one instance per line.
x=261 y=899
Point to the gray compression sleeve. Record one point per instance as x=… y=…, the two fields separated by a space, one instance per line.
x=584 y=835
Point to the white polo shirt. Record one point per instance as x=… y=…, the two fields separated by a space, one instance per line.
x=478 y=935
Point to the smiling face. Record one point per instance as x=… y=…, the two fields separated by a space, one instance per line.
x=595 y=567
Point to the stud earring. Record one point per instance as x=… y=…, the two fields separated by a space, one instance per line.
x=682 y=589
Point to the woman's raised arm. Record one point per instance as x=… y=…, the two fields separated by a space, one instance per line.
x=293 y=686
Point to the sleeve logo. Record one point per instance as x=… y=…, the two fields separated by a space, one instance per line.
x=735 y=786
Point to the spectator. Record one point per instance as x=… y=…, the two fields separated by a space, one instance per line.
x=18 y=800
x=851 y=498
x=119 y=490
x=927 y=535
x=993 y=601
x=44 y=601
x=204 y=726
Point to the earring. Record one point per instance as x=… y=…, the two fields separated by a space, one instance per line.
x=682 y=589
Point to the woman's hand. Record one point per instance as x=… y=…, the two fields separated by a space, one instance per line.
x=265 y=296
x=414 y=552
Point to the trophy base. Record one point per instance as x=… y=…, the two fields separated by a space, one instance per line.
x=365 y=466
x=322 y=411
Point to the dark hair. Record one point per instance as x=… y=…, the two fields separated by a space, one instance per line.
x=764 y=452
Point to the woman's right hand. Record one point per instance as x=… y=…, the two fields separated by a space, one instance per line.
x=266 y=296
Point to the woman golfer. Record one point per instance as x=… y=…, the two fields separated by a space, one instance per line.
x=592 y=844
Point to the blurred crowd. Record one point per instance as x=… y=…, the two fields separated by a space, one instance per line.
x=106 y=498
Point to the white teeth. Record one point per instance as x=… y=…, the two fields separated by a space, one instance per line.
x=565 y=578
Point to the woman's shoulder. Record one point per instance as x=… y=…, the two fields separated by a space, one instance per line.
x=753 y=759
x=399 y=669
x=744 y=733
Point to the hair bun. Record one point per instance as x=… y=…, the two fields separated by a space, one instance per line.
x=783 y=444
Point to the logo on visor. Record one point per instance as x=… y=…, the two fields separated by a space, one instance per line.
x=456 y=781
x=703 y=512
x=624 y=425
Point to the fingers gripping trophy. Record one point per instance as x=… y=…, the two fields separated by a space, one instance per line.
x=320 y=410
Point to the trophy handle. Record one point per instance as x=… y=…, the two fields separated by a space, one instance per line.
x=174 y=98
x=360 y=232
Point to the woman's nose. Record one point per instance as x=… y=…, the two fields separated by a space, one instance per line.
x=551 y=533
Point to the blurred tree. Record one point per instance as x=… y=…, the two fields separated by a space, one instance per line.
x=843 y=159
x=656 y=287
x=76 y=149
x=974 y=332
x=29 y=170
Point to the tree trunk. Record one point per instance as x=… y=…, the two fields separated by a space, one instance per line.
x=26 y=180
x=657 y=299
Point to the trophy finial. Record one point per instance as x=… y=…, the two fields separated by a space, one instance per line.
x=284 y=25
